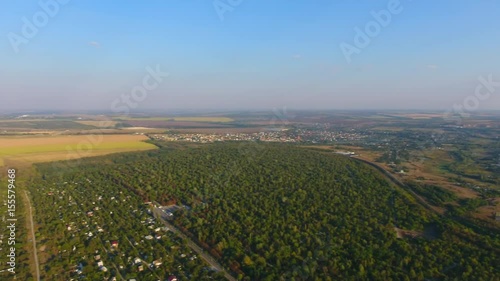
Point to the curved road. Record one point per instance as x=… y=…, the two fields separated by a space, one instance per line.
x=397 y=182
x=33 y=237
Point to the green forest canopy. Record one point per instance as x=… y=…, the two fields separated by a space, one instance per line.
x=279 y=212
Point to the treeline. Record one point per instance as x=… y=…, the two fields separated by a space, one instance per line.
x=436 y=195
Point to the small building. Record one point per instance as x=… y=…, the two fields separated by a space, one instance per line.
x=172 y=278
x=497 y=216
x=114 y=244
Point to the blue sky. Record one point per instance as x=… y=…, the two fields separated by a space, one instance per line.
x=262 y=54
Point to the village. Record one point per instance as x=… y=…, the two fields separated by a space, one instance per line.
x=282 y=136
x=91 y=221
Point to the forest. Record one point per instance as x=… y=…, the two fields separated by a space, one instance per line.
x=268 y=212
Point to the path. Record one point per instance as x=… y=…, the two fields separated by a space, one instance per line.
x=33 y=239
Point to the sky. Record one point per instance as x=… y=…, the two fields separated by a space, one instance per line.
x=249 y=54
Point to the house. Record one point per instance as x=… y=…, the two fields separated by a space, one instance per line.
x=497 y=216
x=172 y=278
x=114 y=244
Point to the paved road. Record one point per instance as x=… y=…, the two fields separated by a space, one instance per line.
x=208 y=258
x=37 y=266
x=396 y=181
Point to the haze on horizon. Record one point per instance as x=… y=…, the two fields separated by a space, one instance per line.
x=249 y=54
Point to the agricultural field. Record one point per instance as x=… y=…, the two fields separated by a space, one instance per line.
x=231 y=130
x=34 y=149
x=214 y=119
x=43 y=124
x=173 y=124
x=99 y=124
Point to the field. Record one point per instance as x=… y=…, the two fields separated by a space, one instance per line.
x=99 y=124
x=43 y=124
x=173 y=124
x=419 y=115
x=32 y=149
x=214 y=119
x=242 y=130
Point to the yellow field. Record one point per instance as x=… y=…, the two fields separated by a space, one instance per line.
x=33 y=149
